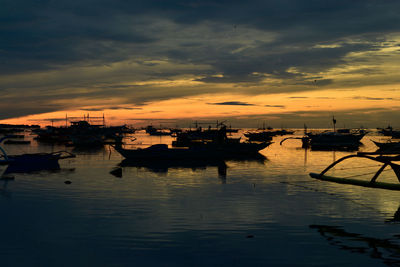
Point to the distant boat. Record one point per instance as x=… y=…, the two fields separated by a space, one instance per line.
x=332 y=140
x=391 y=146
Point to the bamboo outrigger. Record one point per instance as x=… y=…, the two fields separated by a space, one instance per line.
x=386 y=159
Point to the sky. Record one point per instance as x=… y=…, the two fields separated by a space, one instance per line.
x=285 y=63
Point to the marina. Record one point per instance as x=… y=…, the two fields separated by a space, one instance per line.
x=227 y=212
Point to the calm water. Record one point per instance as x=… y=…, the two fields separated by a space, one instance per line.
x=255 y=213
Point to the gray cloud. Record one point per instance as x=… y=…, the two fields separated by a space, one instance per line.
x=373 y=98
x=55 y=52
x=274 y=106
x=232 y=103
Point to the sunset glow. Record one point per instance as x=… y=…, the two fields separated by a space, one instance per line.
x=159 y=67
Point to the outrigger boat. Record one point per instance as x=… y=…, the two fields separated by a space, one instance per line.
x=204 y=151
x=30 y=162
x=391 y=146
x=387 y=159
x=210 y=144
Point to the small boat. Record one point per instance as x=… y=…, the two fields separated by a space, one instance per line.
x=32 y=161
x=386 y=159
x=259 y=136
x=203 y=151
x=391 y=146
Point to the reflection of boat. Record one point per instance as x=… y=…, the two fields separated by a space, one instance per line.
x=17 y=142
x=164 y=165
x=386 y=160
x=386 y=250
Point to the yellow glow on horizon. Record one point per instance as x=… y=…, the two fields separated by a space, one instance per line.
x=206 y=106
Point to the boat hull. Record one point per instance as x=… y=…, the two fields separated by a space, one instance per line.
x=381 y=185
x=196 y=152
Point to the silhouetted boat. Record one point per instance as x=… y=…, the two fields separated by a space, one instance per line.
x=386 y=159
x=36 y=162
x=203 y=151
x=158 y=132
x=32 y=161
x=334 y=140
x=391 y=146
x=344 y=139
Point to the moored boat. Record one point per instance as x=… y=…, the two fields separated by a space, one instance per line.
x=204 y=151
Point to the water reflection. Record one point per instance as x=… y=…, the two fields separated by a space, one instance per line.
x=4 y=190
x=163 y=166
x=396 y=217
x=385 y=249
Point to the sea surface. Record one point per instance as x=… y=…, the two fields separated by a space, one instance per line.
x=256 y=212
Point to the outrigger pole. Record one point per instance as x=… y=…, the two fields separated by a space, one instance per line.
x=386 y=160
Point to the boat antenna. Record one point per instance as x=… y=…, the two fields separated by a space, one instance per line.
x=334 y=123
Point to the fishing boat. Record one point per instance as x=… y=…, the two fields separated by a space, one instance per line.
x=390 y=146
x=204 y=151
x=259 y=136
x=387 y=159
x=341 y=139
x=32 y=161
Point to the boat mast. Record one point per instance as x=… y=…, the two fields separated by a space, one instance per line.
x=334 y=123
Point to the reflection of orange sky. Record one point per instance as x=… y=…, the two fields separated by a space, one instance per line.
x=203 y=106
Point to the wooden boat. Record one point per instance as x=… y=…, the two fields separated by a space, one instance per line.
x=386 y=159
x=388 y=146
x=260 y=136
x=203 y=151
x=32 y=161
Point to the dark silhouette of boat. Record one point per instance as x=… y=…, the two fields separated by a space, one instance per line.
x=33 y=162
x=203 y=151
x=265 y=135
x=30 y=162
x=82 y=133
x=347 y=140
x=157 y=132
x=390 y=146
x=386 y=159
x=197 y=144
x=388 y=131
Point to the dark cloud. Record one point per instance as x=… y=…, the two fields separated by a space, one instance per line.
x=232 y=103
x=274 y=106
x=373 y=98
x=286 y=44
x=294 y=97
x=112 y=108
